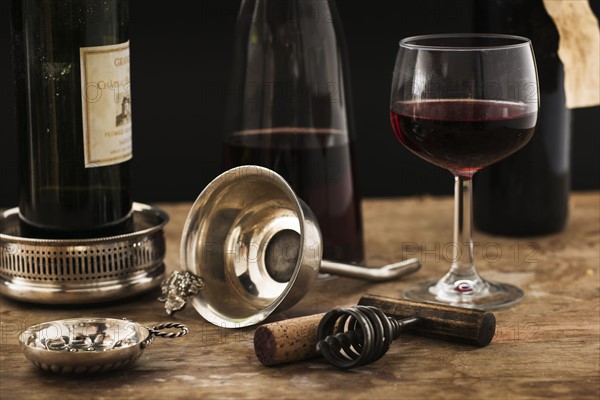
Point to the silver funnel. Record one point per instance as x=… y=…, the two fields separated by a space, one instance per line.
x=251 y=247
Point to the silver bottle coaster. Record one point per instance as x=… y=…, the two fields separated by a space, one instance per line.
x=76 y=271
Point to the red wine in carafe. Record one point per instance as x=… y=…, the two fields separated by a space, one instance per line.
x=317 y=163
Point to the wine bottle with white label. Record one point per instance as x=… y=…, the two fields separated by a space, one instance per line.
x=73 y=89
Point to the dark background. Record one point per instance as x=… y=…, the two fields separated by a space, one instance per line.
x=182 y=50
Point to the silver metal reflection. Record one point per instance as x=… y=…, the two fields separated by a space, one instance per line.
x=107 y=343
x=75 y=271
x=251 y=247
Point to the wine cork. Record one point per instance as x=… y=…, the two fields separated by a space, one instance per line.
x=287 y=341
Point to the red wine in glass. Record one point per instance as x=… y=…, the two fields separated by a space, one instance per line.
x=319 y=167
x=462 y=135
x=440 y=113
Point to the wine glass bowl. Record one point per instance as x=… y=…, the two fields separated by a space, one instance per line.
x=463 y=102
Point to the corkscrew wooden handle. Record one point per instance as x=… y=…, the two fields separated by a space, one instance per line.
x=295 y=339
x=439 y=321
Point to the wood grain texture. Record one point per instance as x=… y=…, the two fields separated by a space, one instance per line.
x=439 y=321
x=548 y=346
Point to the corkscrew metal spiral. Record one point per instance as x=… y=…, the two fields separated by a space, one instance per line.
x=351 y=337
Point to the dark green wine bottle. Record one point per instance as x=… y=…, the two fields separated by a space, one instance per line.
x=71 y=62
x=527 y=193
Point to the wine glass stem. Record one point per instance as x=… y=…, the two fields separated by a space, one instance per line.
x=462 y=260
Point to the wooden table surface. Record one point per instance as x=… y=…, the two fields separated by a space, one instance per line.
x=548 y=346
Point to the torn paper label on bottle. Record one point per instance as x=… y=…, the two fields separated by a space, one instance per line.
x=578 y=49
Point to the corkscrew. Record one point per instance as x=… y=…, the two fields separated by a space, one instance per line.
x=355 y=336
x=351 y=337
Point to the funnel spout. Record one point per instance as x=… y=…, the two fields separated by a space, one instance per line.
x=379 y=274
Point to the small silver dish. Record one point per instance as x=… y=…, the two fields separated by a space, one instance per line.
x=76 y=271
x=89 y=345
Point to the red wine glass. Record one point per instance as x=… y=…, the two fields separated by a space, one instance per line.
x=462 y=102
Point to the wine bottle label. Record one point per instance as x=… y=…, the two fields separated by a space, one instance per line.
x=106 y=104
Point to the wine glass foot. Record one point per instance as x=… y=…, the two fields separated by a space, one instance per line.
x=479 y=294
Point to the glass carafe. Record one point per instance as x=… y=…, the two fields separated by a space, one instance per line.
x=289 y=109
